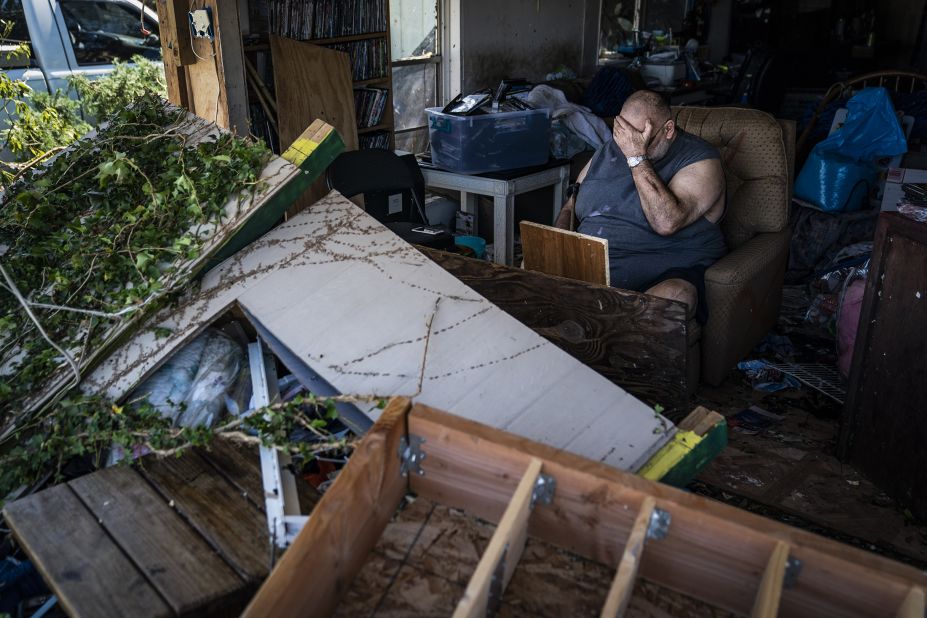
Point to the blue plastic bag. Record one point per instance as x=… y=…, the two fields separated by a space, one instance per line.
x=841 y=169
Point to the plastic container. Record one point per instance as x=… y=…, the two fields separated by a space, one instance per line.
x=488 y=142
x=473 y=242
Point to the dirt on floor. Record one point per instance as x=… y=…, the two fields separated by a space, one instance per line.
x=786 y=468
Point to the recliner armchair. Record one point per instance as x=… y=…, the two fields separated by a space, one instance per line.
x=744 y=288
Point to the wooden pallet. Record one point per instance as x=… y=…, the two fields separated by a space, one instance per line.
x=175 y=536
x=728 y=558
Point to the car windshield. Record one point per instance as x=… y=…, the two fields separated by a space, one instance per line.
x=105 y=30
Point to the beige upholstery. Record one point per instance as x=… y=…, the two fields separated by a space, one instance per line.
x=744 y=289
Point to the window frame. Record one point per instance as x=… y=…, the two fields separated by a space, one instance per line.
x=435 y=58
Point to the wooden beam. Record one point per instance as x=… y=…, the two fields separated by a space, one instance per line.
x=766 y=604
x=563 y=253
x=635 y=340
x=914 y=604
x=712 y=551
x=505 y=548
x=174 y=50
x=343 y=528
x=623 y=585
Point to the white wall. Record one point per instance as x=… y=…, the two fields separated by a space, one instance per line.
x=525 y=38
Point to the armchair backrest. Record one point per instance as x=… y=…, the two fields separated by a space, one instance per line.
x=757 y=159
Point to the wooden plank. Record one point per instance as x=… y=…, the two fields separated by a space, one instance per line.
x=343 y=529
x=766 y=604
x=623 y=585
x=312 y=82
x=506 y=547
x=216 y=509
x=712 y=551
x=216 y=81
x=173 y=50
x=81 y=564
x=636 y=341
x=563 y=253
x=884 y=429
x=180 y=564
x=913 y=606
x=175 y=33
x=240 y=465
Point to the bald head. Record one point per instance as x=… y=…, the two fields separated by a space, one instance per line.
x=649 y=104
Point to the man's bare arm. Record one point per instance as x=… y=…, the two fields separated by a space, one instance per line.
x=695 y=191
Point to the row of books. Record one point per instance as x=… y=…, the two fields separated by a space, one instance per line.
x=377 y=139
x=369 y=58
x=369 y=105
x=320 y=19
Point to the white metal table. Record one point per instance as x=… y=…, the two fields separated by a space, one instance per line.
x=503 y=192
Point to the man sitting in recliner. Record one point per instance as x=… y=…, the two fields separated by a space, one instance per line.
x=656 y=193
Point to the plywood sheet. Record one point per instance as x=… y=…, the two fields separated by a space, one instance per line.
x=374 y=317
x=312 y=82
x=553 y=251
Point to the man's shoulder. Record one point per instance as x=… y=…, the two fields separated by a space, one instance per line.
x=693 y=144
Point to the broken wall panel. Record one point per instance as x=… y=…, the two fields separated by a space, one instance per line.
x=374 y=317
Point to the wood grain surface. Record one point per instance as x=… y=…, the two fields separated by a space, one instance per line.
x=180 y=564
x=712 y=551
x=635 y=340
x=318 y=568
x=216 y=509
x=884 y=426
x=553 y=251
x=72 y=551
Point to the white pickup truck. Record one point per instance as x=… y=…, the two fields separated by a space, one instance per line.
x=69 y=37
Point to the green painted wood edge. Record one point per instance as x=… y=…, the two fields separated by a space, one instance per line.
x=695 y=460
x=270 y=213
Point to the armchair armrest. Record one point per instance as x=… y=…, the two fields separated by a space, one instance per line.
x=751 y=259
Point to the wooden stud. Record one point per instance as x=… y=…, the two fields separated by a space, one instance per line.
x=766 y=604
x=914 y=604
x=623 y=585
x=507 y=544
x=712 y=551
x=334 y=544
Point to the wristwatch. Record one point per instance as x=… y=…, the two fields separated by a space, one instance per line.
x=635 y=161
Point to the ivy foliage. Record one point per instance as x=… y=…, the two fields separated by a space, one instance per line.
x=105 y=96
x=101 y=227
x=89 y=428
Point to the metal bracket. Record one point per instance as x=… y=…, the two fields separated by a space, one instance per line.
x=544 y=489
x=496 y=584
x=659 y=524
x=792 y=571
x=411 y=455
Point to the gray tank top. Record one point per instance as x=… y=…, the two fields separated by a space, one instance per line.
x=608 y=206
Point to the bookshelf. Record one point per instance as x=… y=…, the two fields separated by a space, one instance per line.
x=360 y=29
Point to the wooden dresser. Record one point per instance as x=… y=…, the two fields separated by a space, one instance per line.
x=884 y=429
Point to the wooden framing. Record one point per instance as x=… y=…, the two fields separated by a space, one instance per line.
x=724 y=556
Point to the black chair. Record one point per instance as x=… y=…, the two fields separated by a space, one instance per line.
x=394 y=193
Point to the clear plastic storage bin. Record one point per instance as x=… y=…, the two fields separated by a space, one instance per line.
x=488 y=142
